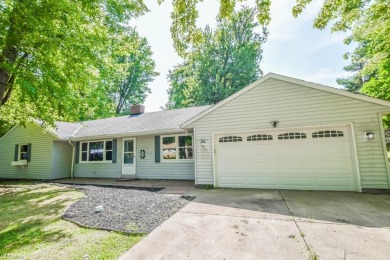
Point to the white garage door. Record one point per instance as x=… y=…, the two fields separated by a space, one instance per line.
x=312 y=159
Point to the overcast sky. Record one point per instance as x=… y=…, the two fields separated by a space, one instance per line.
x=293 y=47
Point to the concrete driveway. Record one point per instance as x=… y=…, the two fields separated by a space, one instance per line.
x=273 y=224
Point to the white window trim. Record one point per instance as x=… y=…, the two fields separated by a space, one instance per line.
x=20 y=152
x=177 y=149
x=104 y=152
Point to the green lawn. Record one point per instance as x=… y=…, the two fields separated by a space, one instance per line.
x=31 y=226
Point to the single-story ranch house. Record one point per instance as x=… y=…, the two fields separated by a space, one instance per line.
x=278 y=133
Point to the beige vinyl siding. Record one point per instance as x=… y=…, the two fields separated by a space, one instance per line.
x=41 y=153
x=148 y=169
x=101 y=169
x=295 y=106
x=62 y=160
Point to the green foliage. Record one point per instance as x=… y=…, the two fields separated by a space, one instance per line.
x=5 y=127
x=355 y=82
x=54 y=53
x=132 y=69
x=226 y=61
x=184 y=32
x=208 y=187
x=369 y=23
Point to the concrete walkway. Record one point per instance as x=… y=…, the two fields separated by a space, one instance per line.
x=177 y=187
x=271 y=224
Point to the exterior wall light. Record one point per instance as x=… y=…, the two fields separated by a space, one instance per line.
x=203 y=143
x=370 y=135
x=274 y=123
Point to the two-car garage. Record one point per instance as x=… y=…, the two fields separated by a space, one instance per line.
x=316 y=158
x=285 y=133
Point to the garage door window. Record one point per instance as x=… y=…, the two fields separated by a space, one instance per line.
x=230 y=139
x=259 y=137
x=291 y=136
x=325 y=134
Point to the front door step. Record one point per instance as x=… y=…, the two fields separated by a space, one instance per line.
x=126 y=178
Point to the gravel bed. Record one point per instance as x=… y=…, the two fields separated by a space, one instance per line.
x=124 y=209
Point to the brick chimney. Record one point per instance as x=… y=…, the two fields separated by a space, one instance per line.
x=137 y=109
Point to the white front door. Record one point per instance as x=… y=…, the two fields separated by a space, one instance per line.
x=128 y=163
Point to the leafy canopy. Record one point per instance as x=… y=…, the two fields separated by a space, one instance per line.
x=224 y=62
x=54 y=53
x=369 y=24
x=185 y=13
x=368 y=21
x=133 y=69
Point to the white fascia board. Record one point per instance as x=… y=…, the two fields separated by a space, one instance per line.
x=12 y=129
x=134 y=134
x=293 y=81
x=226 y=100
x=34 y=123
x=333 y=90
x=47 y=130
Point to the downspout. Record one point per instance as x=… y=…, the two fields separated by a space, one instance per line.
x=72 y=165
x=73 y=151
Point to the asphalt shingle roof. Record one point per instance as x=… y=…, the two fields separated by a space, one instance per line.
x=147 y=122
x=64 y=129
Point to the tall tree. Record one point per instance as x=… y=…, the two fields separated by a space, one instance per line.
x=185 y=13
x=134 y=68
x=368 y=21
x=226 y=61
x=355 y=82
x=52 y=53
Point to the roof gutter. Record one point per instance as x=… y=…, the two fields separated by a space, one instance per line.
x=72 y=163
x=161 y=132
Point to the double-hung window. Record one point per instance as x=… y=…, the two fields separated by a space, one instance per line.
x=96 y=151
x=22 y=155
x=23 y=152
x=177 y=147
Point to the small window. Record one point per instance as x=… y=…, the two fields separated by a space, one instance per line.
x=84 y=152
x=23 y=152
x=177 y=147
x=326 y=134
x=259 y=137
x=230 y=139
x=291 y=136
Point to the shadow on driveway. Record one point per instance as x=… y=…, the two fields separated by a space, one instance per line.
x=363 y=209
x=272 y=224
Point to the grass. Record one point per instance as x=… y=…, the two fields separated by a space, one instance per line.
x=31 y=226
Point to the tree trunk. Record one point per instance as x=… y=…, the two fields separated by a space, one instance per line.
x=9 y=56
